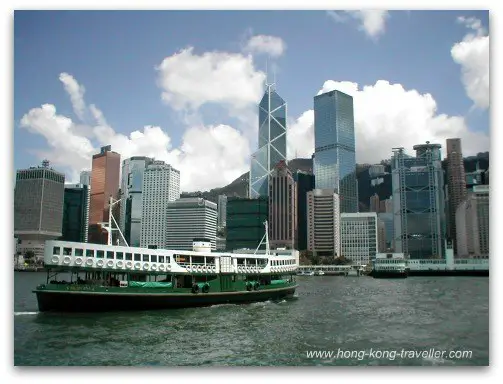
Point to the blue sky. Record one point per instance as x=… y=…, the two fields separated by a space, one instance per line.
x=206 y=123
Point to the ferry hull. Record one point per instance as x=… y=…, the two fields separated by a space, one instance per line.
x=388 y=275
x=58 y=301
x=455 y=272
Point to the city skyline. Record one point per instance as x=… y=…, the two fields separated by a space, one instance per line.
x=209 y=136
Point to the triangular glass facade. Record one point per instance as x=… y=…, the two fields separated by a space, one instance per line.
x=271 y=141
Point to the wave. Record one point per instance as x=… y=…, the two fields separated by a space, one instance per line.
x=25 y=313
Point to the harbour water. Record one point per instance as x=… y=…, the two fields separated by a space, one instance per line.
x=345 y=315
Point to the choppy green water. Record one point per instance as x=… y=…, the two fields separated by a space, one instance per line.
x=330 y=313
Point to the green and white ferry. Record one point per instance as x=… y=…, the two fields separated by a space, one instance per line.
x=114 y=278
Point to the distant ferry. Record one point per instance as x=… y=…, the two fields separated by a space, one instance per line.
x=389 y=265
x=113 y=278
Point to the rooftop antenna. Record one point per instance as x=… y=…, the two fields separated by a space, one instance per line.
x=267 y=72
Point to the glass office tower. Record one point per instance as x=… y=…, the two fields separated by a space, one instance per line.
x=131 y=190
x=271 y=141
x=418 y=202
x=334 y=157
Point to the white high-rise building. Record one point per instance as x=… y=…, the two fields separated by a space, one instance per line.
x=161 y=185
x=85 y=178
x=189 y=219
x=323 y=217
x=359 y=237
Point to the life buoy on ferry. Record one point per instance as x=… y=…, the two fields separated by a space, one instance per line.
x=145 y=266
x=100 y=263
x=89 y=262
x=188 y=268
x=110 y=264
x=154 y=267
x=168 y=267
x=204 y=269
x=162 y=267
x=199 y=269
x=67 y=260
x=129 y=264
x=120 y=264
x=55 y=259
x=137 y=265
x=213 y=268
x=78 y=261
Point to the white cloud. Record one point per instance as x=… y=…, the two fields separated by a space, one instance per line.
x=387 y=116
x=301 y=136
x=189 y=80
x=372 y=22
x=473 y=55
x=271 y=45
x=209 y=156
x=76 y=93
x=67 y=146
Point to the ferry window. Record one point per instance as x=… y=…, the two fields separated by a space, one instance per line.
x=153 y=258
x=240 y=261
x=79 y=252
x=67 y=251
x=56 y=250
x=89 y=252
x=110 y=254
x=197 y=259
x=146 y=258
x=119 y=256
x=167 y=259
x=129 y=256
x=100 y=254
x=137 y=257
x=161 y=259
x=210 y=260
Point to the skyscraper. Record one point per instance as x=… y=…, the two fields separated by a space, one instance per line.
x=282 y=208
x=245 y=222
x=305 y=183
x=76 y=213
x=323 y=219
x=334 y=136
x=359 y=237
x=455 y=184
x=418 y=202
x=272 y=133
x=375 y=203
x=38 y=207
x=161 y=184
x=131 y=198
x=222 y=211
x=85 y=178
x=104 y=183
x=188 y=219
x=472 y=224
